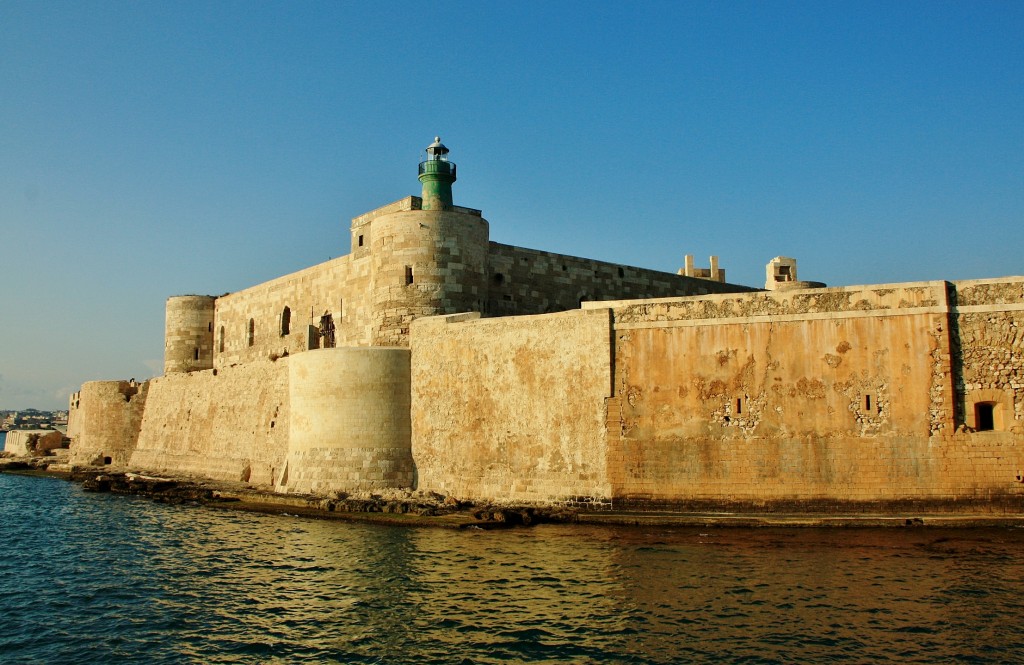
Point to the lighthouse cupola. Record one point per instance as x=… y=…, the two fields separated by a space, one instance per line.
x=437 y=175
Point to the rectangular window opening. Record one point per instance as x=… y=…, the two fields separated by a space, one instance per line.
x=984 y=416
x=867 y=402
x=360 y=240
x=739 y=405
x=408 y=275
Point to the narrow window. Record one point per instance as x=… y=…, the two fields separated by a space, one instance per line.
x=408 y=275
x=739 y=405
x=326 y=331
x=195 y=355
x=867 y=402
x=622 y=273
x=985 y=416
x=221 y=345
x=565 y=268
x=360 y=240
x=209 y=327
x=286 y=321
x=251 y=337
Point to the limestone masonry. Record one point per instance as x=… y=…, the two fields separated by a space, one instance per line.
x=432 y=358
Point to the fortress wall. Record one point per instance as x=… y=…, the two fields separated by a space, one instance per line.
x=349 y=418
x=831 y=395
x=104 y=420
x=229 y=424
x=529 y=281
x=511 y=408
x=990 y=324
x=339 y=287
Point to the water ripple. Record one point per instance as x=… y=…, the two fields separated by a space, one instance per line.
x=100 y=579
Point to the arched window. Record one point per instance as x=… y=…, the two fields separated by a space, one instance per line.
x=286 y=321
x=251 y=337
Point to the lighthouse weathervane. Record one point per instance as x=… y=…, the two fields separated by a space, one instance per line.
x=437 y=175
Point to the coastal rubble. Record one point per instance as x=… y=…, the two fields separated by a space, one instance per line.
x=387 y=505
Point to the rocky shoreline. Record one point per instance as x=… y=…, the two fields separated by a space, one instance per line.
x=421 y=508
x=425 y=508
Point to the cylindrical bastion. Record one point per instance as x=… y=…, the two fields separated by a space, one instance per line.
x=188 y=334
x=349 y=423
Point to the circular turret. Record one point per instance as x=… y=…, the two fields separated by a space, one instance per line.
x=437 y=175
x=188 y=334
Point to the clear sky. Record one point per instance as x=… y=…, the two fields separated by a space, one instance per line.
x=150 y=149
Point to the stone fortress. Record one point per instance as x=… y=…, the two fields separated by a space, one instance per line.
x=432 y=358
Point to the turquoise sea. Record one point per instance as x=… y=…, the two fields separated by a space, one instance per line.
x=92 y=578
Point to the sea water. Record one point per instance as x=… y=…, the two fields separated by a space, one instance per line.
x=93 y=578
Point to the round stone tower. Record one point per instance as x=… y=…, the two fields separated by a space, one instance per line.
x=188 y=334
x=428 y=261
x=437 y=175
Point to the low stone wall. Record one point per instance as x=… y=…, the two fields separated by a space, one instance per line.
x=18 y=442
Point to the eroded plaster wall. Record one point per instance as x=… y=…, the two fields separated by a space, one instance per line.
x=511 y=409
x=830 y=396
x=776 y=397
x=229 y=424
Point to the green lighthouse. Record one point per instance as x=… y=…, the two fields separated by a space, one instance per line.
x=437 y=175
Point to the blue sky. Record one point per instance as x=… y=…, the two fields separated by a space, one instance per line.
x=150 y=149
